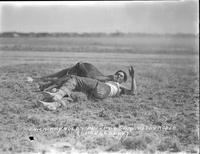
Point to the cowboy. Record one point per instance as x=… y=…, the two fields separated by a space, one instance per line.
x=80 y=69
x=97 y=89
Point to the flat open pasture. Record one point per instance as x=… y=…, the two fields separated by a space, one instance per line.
x=137 y=44
x=162 y=117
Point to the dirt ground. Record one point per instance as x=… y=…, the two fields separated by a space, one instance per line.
x=161 y=118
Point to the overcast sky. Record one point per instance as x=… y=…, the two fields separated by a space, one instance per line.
x=148 y=17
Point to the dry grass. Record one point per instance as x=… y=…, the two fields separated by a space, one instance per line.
x=163 y=117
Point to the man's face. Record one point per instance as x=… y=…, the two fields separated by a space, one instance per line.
x=119 y=77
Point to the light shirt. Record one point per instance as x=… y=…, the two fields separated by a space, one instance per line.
x=114 y=88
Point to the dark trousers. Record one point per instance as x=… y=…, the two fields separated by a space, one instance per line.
x=80 y=69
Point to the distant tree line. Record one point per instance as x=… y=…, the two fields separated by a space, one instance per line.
x=114 y=34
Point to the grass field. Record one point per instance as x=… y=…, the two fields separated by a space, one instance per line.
x=162 y=118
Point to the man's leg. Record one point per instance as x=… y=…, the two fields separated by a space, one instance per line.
x=66 y=89
x=80 y=69
x=86 y=85
x=88 y=70
x=77 y=83
x=46 y=82
x=57 y=75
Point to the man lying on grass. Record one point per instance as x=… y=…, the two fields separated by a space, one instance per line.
x=80 y=69
x=91 y=87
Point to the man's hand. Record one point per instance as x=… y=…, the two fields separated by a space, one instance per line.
x=131 y=71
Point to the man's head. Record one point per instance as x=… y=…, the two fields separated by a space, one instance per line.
x=120 y=76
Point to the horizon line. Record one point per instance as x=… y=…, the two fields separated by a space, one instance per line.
x=119 y=32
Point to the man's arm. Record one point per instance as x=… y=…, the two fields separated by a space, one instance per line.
x=133 y=90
